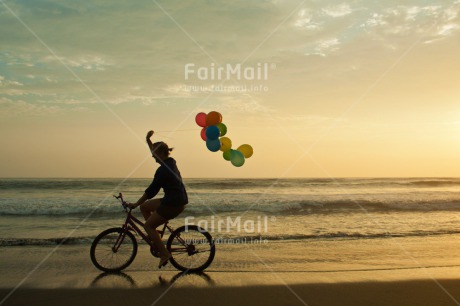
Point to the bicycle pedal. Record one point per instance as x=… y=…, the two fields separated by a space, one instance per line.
x=154 y=253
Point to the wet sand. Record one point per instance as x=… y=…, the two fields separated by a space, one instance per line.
x=420 y=292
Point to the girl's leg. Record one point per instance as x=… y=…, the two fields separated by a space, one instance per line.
x=149 y=206
x=150 y=226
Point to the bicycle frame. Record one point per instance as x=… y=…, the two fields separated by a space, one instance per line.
x=130 y=225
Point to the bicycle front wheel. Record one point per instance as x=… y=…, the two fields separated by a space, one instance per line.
x=113 y=250
x=192 y=248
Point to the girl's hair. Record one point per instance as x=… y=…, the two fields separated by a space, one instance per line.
x=161 y=148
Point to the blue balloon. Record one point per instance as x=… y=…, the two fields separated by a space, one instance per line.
x=213 y=145
x=212 y=132
x=236 y=158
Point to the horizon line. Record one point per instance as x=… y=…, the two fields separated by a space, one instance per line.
x=247 y=178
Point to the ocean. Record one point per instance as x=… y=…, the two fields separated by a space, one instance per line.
x=44 y=212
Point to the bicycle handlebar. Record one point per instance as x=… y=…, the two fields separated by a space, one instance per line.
x=123 y=203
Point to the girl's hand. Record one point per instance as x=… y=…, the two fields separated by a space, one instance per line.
x=131 y=205
x=149 y=134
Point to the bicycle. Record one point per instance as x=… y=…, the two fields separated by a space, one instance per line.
x=192 y=247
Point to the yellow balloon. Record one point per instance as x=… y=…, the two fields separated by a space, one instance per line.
x=226 y=144
x=246 y=150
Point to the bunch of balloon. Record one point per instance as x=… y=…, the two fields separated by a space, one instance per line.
x=213 y=132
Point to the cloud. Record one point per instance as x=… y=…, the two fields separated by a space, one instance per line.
x=434 y=21
x=8 y=83
x=35 y=58
x=134 y=53
x=448 y=29
x=114 y=47
x=338 y=10
x=305 y=20
x=324 y=47
x=14 y=108
x=88 y=62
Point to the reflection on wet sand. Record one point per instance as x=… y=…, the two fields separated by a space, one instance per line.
x=124 y=280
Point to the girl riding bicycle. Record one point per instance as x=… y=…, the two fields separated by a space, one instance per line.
x=158 y=211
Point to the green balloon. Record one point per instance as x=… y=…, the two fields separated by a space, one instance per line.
x=227 y=154
x=222 y=128
x=237 y=158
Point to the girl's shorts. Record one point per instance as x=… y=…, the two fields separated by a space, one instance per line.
x=170 y=212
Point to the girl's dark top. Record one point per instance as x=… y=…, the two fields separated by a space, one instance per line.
x=168 y=177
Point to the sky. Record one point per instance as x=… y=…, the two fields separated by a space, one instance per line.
x=326 y=88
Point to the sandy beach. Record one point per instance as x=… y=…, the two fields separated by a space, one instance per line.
x=65 y=275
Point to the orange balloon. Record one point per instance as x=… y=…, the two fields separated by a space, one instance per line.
x=213 y=118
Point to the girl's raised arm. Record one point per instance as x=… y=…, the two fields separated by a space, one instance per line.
x=149 y=142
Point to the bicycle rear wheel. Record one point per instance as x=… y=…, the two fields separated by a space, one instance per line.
x=192 y=248
x=113 y=250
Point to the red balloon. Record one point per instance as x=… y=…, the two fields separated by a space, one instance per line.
x=200 y=119
x=213 y=118
x=203 y=133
